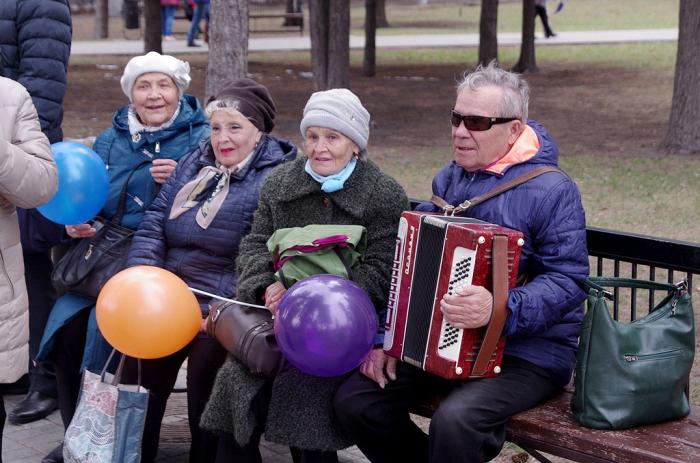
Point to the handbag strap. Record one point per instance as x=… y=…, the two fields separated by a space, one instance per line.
x=120 y=368
x=117 y=218
x=500 y=301
x=598 y=284
x=465 y=205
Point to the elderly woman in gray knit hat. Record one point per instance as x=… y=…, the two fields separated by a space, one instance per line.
x=335 y=183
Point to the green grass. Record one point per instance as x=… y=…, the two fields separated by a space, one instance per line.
x=577 y=15
x=657 y=196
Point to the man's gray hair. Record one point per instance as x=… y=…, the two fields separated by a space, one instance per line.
x=516 y=92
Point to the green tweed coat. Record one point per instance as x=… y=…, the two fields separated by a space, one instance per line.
x=297 y=409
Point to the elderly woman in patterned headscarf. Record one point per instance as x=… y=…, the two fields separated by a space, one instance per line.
x=193 y=229
x=148 y=136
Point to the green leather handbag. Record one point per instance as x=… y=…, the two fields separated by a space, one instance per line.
x=630 y=374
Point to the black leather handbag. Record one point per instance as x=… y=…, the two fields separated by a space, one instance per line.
x=248 y=334
x=90 y=262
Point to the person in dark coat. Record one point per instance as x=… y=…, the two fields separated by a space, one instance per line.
x=541 y=11
x=336 y=184
x=35 y=40
x=492 y=145
x=149 y=136
x=194 y=228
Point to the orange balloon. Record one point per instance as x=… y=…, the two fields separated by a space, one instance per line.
x=147 y=312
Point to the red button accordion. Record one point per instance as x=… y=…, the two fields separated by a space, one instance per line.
x=435 y=255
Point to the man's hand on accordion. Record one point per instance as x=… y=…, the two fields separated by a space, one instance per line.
x=378 y=366
x=470 y=307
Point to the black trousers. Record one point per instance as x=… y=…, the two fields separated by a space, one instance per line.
x=42 y=296
x=541 y=11
x=468 y=427
x=204 y=357
x=2 y=422
x=67 y=357
x=230 y=452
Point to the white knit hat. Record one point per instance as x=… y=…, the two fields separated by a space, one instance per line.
x=152 y=61
x=338 y=109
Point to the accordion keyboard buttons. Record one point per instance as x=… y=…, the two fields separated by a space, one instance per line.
x=461 y=275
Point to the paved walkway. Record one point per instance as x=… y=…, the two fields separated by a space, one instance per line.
x=291 y=43
x=29 y=443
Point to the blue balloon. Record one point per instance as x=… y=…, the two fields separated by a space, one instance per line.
x=82 y=184
x=325 y=325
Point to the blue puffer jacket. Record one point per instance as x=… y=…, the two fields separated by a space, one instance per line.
x=122 y=153
x=35 y=38
x=205 y=259
x=545 y=314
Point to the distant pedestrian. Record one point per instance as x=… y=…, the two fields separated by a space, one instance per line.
x=35 y=40
x=541 y=11
x=28 y=178
x=201 y=11
x=167 y=17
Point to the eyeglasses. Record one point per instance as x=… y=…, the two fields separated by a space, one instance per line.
x=477 y=123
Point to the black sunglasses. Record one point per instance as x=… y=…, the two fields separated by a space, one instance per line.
x=477 y=123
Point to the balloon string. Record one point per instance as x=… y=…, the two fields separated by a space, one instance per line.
x=204 y=293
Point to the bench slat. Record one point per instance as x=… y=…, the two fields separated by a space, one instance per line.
x=551 y=428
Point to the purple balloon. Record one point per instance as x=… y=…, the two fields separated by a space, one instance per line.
x=325 y=325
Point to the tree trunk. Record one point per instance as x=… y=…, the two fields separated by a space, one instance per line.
x=526 y=62
x=339 y=44
x=228 y=44
x=294 y=6
x=152 y=30
x=488 y=28
x=369 y=60
x=683 y=135
x=381 y=13
x=101 y=19
x=330 y=43
x=318 y=31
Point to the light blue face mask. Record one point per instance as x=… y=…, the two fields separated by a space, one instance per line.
x=333 y=182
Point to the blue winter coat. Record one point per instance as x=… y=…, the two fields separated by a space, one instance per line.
x=121 y=153
x=35 y=39
x=545 y=314
x=205 y=258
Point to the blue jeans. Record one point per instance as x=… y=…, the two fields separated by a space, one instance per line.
x=200 y=11
x=167 y=19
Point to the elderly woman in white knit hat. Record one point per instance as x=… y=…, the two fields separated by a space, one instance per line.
x=335 y=183
x=158 y=126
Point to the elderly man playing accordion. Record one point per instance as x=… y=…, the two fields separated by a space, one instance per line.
x=493 y=143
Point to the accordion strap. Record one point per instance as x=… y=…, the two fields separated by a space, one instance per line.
x=450 y=209
x=500 y=299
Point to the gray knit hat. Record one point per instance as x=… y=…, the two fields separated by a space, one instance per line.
x=338 y=109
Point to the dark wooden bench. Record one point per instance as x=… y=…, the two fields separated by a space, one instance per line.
x=550 y=427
